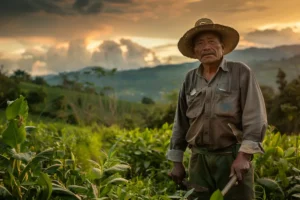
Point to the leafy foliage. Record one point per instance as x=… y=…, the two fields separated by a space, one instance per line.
x=60 y=161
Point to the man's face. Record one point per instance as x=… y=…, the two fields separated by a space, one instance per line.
x=208 y=48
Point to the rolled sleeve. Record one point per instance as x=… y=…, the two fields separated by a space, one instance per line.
x=181 y=125
x=251 y=147
x=175 y=155
x=254 y=116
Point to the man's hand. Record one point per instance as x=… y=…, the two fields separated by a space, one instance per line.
x=240 y=165
x=178 y=172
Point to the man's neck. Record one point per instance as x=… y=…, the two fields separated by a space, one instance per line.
x=211 y=68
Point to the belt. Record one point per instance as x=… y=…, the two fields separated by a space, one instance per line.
x=223 y=151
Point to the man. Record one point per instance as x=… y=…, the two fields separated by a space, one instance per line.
x=220 y=115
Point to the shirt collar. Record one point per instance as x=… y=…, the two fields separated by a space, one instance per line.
x=223 y=66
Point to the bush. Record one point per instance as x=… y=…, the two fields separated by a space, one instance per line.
x=36 y=97
x=147 y=100
x=9 y=89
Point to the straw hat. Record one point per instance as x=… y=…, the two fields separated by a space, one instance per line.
x=230 y=37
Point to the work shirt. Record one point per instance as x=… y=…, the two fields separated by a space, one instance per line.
x=215 y=113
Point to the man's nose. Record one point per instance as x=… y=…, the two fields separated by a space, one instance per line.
x=206 y=46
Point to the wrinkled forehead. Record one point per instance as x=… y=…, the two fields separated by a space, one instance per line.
x=207 y=35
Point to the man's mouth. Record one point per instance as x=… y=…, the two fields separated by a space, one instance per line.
x=208 y=54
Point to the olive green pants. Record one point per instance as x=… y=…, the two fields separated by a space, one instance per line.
x=211 y=171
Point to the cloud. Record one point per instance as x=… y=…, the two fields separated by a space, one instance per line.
x=110 y=54
x=64 y=20
x=80 y=4
x=231 y=6
x=136 y=54
x=17 y=7
x=58 y=7
x=88 y=7
x=55 y=59
x=39 y=68
x=165 y=46
x=119 y=1
x=272 y=37
x=55 y=28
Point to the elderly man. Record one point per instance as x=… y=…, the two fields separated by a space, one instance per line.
x=220 y=115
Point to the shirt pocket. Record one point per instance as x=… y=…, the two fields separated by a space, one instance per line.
x=227 y=103
x=195 y=105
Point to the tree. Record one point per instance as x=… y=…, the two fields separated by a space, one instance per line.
x=286 y=108
x=39 y=81
x=147 y=100
x=281 y=81
x=21 y=75
x=269 y=96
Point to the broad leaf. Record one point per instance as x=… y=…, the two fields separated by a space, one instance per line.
x=270 y=185
x=289 y=152
x=52 y=169
x=42 y=156
x=294 y=190
x=78 y=189
x=94 y=163
x=95 y=173
x=118 y=180
x=61 y=191
x=296 y=170
x=118 y=168
x=25 y=157
x=217 y=195
x=45 y=182
x=14 y=134
x=296 y=196
x=18 y=107
x=188 y=193
x=111 y=179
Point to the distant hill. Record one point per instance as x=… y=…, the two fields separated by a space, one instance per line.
x=262 y=54
x=155 y=82
x=134 y=84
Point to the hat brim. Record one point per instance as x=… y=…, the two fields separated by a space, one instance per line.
x=230 y=38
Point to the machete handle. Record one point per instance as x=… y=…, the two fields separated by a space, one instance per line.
x=229 y=185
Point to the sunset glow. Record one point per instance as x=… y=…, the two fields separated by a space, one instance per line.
x=131 y=33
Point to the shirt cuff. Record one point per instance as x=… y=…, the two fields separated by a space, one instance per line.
x=251 y=147
x=175 y=155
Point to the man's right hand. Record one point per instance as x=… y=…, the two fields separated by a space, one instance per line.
x=178 y=172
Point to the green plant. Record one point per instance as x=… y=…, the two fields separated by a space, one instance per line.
x=277 y=171
x=22 y=175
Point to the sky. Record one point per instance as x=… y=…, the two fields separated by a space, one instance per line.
x=51 y=36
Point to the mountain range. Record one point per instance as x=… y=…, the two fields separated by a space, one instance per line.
x=157 y=81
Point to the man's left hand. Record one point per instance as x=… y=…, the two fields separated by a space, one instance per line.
x=241 y=165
